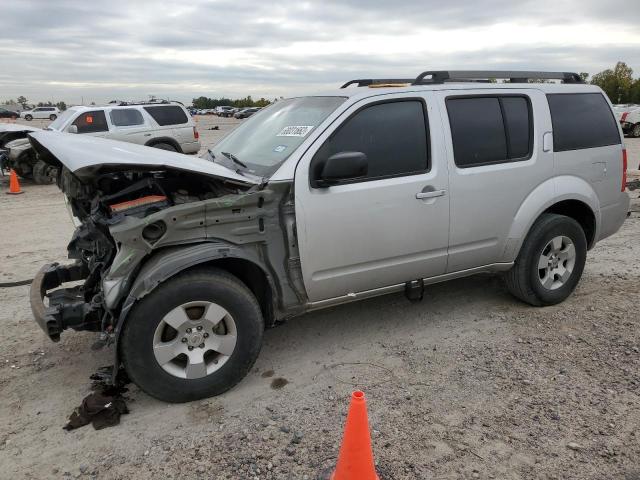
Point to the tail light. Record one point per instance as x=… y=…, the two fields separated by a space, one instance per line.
x=624 y=169
x=623 y=118
x=196 y=135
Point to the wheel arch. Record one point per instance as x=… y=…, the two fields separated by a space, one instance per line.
x=566 y=195
x=169 y=140
x=170 y=262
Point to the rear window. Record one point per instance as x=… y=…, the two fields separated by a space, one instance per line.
x=490 y=129
x=581 y=120
x=126 y=117
x=168 y=115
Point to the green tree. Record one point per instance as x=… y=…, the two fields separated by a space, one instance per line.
x=62 y=106
x=616 y=83
x=23 y=102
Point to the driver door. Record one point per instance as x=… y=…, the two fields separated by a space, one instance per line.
x=389 y=226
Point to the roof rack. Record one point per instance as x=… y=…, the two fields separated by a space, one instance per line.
x=366 y=82
x=515 y=76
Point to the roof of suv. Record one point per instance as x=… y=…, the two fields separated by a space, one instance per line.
x=84 y=108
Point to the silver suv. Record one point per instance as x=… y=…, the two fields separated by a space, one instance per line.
x=315 y=201
x=165 y=125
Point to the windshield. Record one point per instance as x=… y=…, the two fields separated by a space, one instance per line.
x=59 y=122
x=270 y=135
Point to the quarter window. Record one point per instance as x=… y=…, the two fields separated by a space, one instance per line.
x=393 y=136
x=91 y=122
x=167 y=115
x=581 y=120
x=488 y=130
x=126 y=117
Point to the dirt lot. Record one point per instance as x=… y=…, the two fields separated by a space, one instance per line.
x=470 y=383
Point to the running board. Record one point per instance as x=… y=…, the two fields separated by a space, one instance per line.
x=399 y=287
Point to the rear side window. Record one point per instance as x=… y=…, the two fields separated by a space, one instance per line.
x=393 y=135
x=488 y=130
x=91 y=122
x=167 y=115
x=581 y=120
x=126 y=117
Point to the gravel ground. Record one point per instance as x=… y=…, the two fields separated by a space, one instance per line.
x=470 y=383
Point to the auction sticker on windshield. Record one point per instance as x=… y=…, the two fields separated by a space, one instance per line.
x=295 y=131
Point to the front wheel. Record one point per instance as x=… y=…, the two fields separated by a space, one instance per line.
x=550 y=262
x=28 y=118
x=195 y=336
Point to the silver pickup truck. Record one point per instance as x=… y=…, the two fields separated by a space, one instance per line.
x=382 y=186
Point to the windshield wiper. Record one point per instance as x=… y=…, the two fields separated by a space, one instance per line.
x=234 y=159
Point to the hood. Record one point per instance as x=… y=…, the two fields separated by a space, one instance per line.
x=85 y=156
x=15 y=127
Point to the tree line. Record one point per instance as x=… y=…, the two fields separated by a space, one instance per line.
x=205 y=102
x=24 y=103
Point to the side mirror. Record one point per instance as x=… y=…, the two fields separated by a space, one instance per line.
x=341 y=167
x=72 y=129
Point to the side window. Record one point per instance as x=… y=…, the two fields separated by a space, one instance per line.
x=393 y=136
x=167 y=115
x=126 y=117
x=91 y=122
x=581 y=120
x=489 y=130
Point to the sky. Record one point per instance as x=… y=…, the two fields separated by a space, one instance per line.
x=97 y=51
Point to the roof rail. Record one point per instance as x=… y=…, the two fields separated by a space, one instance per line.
x=516 y=76
x=365 y=82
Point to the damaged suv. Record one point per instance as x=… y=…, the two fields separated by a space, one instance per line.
x=181 y=262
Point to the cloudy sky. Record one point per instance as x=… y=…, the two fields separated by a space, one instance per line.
x=97 y=51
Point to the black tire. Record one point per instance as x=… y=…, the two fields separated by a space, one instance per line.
x=52 y=117
x=28 y=118
x=40 y=173
x=165 y=146
x=523 y=279
x=212 y=285
x=635 y=131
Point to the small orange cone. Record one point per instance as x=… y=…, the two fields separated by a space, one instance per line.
x=355 y=461
x=14 y=184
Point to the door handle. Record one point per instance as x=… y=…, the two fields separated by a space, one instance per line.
x=431 y=194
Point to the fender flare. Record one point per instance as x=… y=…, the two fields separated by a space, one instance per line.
x=166 y=264
x=543 y=197
x=169 y=140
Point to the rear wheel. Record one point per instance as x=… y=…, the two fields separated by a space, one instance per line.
x=52 y=117
x=550 y=262
x=165 y=146
x=194 y=336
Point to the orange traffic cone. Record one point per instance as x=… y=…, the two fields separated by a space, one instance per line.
x=14 y=184
x=355 y=461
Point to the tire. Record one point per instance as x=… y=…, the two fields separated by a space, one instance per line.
x=526 y=280
x=28 y=118
x=52 y=117
x=165 y=146
x=635 y=131
x=140 y=341
x=40 y=175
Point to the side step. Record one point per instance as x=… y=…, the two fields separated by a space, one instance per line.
x=414 y=290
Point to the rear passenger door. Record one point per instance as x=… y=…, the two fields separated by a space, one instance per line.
x=128 y=125
x=495 y=159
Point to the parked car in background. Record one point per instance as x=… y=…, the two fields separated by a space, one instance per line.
x=246 y=112
x=220 y=111
x=185 y=263
x=4 y=113
x=50 y=113
x=163 y=125
x=629 y=118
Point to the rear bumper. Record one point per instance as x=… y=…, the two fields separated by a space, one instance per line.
x=67 y=307
x=613 y=216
